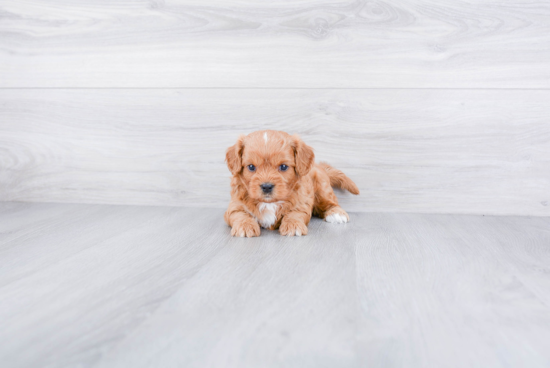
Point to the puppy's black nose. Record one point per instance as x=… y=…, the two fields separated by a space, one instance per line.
x=267 y=187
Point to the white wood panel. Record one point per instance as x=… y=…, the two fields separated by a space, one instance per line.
x=289 y=43
x=133 y=286
x=450 y=151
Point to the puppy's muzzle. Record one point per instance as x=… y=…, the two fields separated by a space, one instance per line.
x=267 y=188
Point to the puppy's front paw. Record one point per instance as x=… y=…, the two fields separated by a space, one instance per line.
x=248 y=228
x=337 y=215
x=291 y=227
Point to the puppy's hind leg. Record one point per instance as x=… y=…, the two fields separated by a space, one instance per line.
x=336 y=215
x=326 y=204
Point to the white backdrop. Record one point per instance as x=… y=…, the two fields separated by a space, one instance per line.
x=429 y=106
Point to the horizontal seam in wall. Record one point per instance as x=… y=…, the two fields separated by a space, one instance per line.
x=268 y=88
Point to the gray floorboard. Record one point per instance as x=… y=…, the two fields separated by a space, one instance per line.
x=123 y=286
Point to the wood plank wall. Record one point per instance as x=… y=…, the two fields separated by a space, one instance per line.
x=430 y=106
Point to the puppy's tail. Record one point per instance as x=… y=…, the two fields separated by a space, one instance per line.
x=338 y=179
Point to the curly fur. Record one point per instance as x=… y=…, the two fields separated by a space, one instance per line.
x=305 y=189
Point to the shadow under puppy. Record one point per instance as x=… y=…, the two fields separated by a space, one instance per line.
x=277 y=184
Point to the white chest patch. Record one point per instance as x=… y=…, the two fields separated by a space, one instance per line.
x=265 y=137
x=268 y=213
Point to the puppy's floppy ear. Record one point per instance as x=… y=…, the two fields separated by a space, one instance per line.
x=233 y=156
x=303 y=155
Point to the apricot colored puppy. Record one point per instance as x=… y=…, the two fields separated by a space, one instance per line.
x=277 y=184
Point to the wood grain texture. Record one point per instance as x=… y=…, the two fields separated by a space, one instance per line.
x=419 y=275
x=445 y=151
x=289 y=43
x=118 y=286
x=118 y=263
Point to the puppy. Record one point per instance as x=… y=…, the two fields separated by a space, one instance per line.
x=277 y=184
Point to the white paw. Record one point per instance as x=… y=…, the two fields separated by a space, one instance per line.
x=337 y=218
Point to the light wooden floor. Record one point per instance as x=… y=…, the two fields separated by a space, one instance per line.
x=122 y=286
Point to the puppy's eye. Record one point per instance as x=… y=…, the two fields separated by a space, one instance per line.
x=251 y=167
x=283 y=167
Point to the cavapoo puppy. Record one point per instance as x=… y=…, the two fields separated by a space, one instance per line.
x=277 y=184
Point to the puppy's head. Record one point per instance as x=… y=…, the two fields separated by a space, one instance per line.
x=269 y=163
